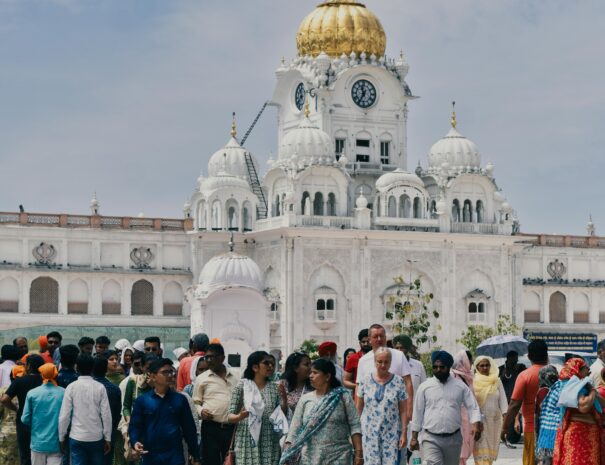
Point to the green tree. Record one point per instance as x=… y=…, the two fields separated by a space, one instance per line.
x=410 y=309
x=476 y=334
x=310 y=347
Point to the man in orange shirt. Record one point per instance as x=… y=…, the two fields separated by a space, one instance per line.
x=199 y=345
x=524 y=399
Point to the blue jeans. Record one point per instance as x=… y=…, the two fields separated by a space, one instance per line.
x=86 y=453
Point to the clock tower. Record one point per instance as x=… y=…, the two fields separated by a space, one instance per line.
x=357 y=95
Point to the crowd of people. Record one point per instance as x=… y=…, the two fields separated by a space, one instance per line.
x=98 y=404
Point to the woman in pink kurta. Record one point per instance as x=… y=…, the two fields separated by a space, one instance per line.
x=462 y=369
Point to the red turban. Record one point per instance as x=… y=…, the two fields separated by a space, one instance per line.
x=327 y=348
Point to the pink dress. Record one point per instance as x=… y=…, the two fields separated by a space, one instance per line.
x=462 y=369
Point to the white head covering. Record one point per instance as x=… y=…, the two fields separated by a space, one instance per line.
x=122 y=344
x=124 y=353
x=179 y=351
x=139 y=345
x=193 y=369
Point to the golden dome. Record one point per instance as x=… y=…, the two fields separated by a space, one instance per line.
x=341 y=26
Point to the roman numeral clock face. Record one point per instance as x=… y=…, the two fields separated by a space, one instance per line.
x=363 y=93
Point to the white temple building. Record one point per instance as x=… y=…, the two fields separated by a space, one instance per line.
x=318 y=239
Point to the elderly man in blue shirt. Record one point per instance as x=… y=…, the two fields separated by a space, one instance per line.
x=41 y=415
x=161 y=419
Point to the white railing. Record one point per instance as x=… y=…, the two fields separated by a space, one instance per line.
x=477 y=228
x=9 y=218
x=43 y=219
x=269 y=223
x=419 y=223
x=78 y=220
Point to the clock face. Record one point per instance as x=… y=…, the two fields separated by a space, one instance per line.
x=299 y=96
x=363 y=93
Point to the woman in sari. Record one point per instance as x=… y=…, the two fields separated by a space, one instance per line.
x=491 y=398
x=547 y=414
x=325 y=423
x=462 y=369
x=578 y=440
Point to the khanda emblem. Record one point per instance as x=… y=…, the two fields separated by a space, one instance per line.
x=44 y=253
x=556 y=269
x=141 y=257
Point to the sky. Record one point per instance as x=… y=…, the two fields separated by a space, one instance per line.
x=130 y=98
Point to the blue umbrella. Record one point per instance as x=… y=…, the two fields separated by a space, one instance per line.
x=499 y=346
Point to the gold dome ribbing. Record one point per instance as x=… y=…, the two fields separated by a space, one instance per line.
x=341 y=26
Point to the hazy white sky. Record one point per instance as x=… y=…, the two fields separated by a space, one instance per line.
x=129 y=98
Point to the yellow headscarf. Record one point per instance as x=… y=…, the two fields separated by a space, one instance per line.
x=49 y=373
x=485 y=385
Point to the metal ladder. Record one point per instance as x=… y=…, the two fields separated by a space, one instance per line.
x=262 y=208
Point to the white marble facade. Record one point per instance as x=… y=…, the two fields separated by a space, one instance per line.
x=318 y=239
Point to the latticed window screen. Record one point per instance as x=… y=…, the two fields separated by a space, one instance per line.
x=142 y=298
x=11 y=306
x=77 y=308
x=44 y=296
x=173 y=309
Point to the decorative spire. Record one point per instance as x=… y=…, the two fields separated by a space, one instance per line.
x=231 y=242
x=453 y=121
x=233 y=127
x=590 y=228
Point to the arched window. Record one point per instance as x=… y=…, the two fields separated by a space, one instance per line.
x=173 y=299
x=201 y=215
x=467 y=214
x=581 y=308
x=277 y=206
x=216 y=216
x=305 y=205
x=479 y=210
x=77 y=298
x=141 y=298
x=111 y=298
x=532 y=308
x=331 y=204
x=456 y=211
x=405 y=206
x=9 y=295
x=44 y=296
x=318 y=204
x=417 y=208
x=233 y=219
x=274 y=315
x=433 y=209
x=325 y=304
x=392 y=207
x=246 y=217
x=557 y=308
x=476 y=312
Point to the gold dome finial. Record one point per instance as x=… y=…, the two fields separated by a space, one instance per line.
x=341 y=26
x=454 y=122
x=233 y=127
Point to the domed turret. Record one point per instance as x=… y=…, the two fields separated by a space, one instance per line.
x=231 y=159
x=455 y=150
x=339 y=27
x=399 y=177
x=230 y=270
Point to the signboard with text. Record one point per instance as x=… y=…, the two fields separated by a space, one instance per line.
x=580 y=342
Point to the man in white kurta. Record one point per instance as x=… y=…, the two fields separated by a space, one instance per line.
x=436 y=421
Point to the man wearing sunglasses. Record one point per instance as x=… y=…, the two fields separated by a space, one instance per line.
x=436 y=421
x=161 y=420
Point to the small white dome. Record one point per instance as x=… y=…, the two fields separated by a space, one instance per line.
x=399 y=177
x=456 y=150
x=361 y=202
x=223 y=180
x=306 y=143
x=230 y=270
x=231 y=159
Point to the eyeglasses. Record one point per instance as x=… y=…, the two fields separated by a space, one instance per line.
x=167 y=373
x=150 y=349
x=268 y=363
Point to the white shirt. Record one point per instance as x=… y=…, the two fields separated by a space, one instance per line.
x=437 y=406
x=5 y=373
x=399 y=365
x=86 y=407
x=595 y=371
x=418 y=373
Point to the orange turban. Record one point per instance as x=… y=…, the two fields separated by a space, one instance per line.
x=49 y=372
x=327 y=348
x=18 y=371
x=43 y=341
x=215 y=340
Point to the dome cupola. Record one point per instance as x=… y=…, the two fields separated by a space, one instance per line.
x=339 y=27
x=398 y=177
x=456 y=150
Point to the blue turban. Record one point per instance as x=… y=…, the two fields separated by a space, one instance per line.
x=444 y=357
